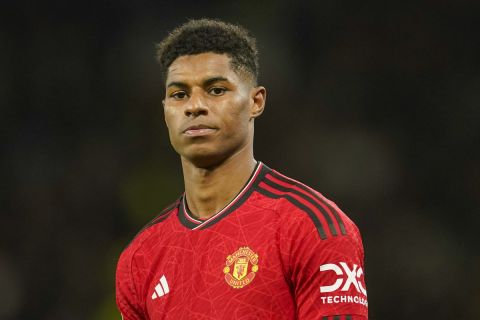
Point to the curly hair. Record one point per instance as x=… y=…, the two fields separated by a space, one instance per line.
x=207 y=35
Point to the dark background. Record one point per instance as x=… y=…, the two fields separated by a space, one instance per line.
x=376 y=104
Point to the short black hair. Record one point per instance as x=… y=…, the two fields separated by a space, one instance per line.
x=208 y=35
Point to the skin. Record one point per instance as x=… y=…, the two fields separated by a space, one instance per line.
x=209 y=111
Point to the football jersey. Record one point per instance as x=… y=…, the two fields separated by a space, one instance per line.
x=278 y=250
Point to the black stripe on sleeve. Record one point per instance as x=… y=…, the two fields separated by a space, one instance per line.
x=299 y=185
x=348 y=317
x=307 y=198
x=298 y=204
x=163 y=215
x=159 y=218
x=336 y=317
x=324 y=318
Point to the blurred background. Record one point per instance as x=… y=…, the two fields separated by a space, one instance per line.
x=375 y=104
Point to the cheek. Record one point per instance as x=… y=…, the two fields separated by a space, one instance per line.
x=238 y=118
x=244 y=114
x=170 y=117
x=240 y=108
x=172 y=125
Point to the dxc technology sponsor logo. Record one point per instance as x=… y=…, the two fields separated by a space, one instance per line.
x=346 y=277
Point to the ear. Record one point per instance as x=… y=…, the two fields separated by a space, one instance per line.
x=259 y=97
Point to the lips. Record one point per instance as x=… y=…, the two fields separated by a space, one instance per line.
x=199 y=130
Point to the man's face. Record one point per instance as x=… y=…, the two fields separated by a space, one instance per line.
x=209 y=108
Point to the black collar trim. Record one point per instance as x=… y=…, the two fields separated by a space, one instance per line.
x=189 y=221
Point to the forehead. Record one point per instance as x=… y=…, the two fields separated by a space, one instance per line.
x=191 y=68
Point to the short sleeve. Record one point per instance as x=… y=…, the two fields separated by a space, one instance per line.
x=327 y=270
x=127 y=299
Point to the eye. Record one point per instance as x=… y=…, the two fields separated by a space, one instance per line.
x=217 y=91
x=179 y=95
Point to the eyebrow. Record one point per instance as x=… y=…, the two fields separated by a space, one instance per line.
x=210 y=81
x=177 y=84
x=205 y=83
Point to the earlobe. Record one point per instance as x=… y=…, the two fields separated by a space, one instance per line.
x=259 y=97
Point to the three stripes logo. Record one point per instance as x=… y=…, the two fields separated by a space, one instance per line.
x=324 y=214
x=161 y=288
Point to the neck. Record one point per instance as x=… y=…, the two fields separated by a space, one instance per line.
x=208 y=190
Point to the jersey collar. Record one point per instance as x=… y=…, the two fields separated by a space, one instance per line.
x=188 y=219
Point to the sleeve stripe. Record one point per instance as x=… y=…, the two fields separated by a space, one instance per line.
x=163 y=215
x=159 y=218
x=298 y=204
x=347 y=317
x=309 y=200
x=313 y=194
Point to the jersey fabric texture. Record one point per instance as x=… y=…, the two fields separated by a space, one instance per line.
x=279 y=250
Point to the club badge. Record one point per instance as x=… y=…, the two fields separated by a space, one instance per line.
x=241 y=267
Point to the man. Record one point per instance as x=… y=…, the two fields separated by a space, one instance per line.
x=243 y=241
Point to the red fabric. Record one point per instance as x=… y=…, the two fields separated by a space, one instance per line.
x=260 y=260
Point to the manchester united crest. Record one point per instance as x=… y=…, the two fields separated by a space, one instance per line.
x=241 y=267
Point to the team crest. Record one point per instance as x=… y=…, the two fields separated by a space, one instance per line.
x=241 y=267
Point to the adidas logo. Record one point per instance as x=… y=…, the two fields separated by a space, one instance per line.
x=161 y=288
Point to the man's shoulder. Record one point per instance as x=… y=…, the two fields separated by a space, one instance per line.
x=299 y=204
x=150 y=229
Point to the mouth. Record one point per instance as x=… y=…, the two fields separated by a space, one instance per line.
x=199 y=130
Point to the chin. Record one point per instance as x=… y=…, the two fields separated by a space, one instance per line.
x=204 y=158
x=208 y=155
x=205 y=162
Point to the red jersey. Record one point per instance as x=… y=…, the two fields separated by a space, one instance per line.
x=279 y=250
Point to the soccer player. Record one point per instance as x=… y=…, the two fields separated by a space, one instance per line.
x=243 y=241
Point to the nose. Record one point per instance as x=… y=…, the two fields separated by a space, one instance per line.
x=196 y=105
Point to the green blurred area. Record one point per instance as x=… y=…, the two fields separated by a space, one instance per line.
x=148 y=189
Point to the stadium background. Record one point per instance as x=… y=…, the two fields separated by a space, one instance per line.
x=376 y=104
